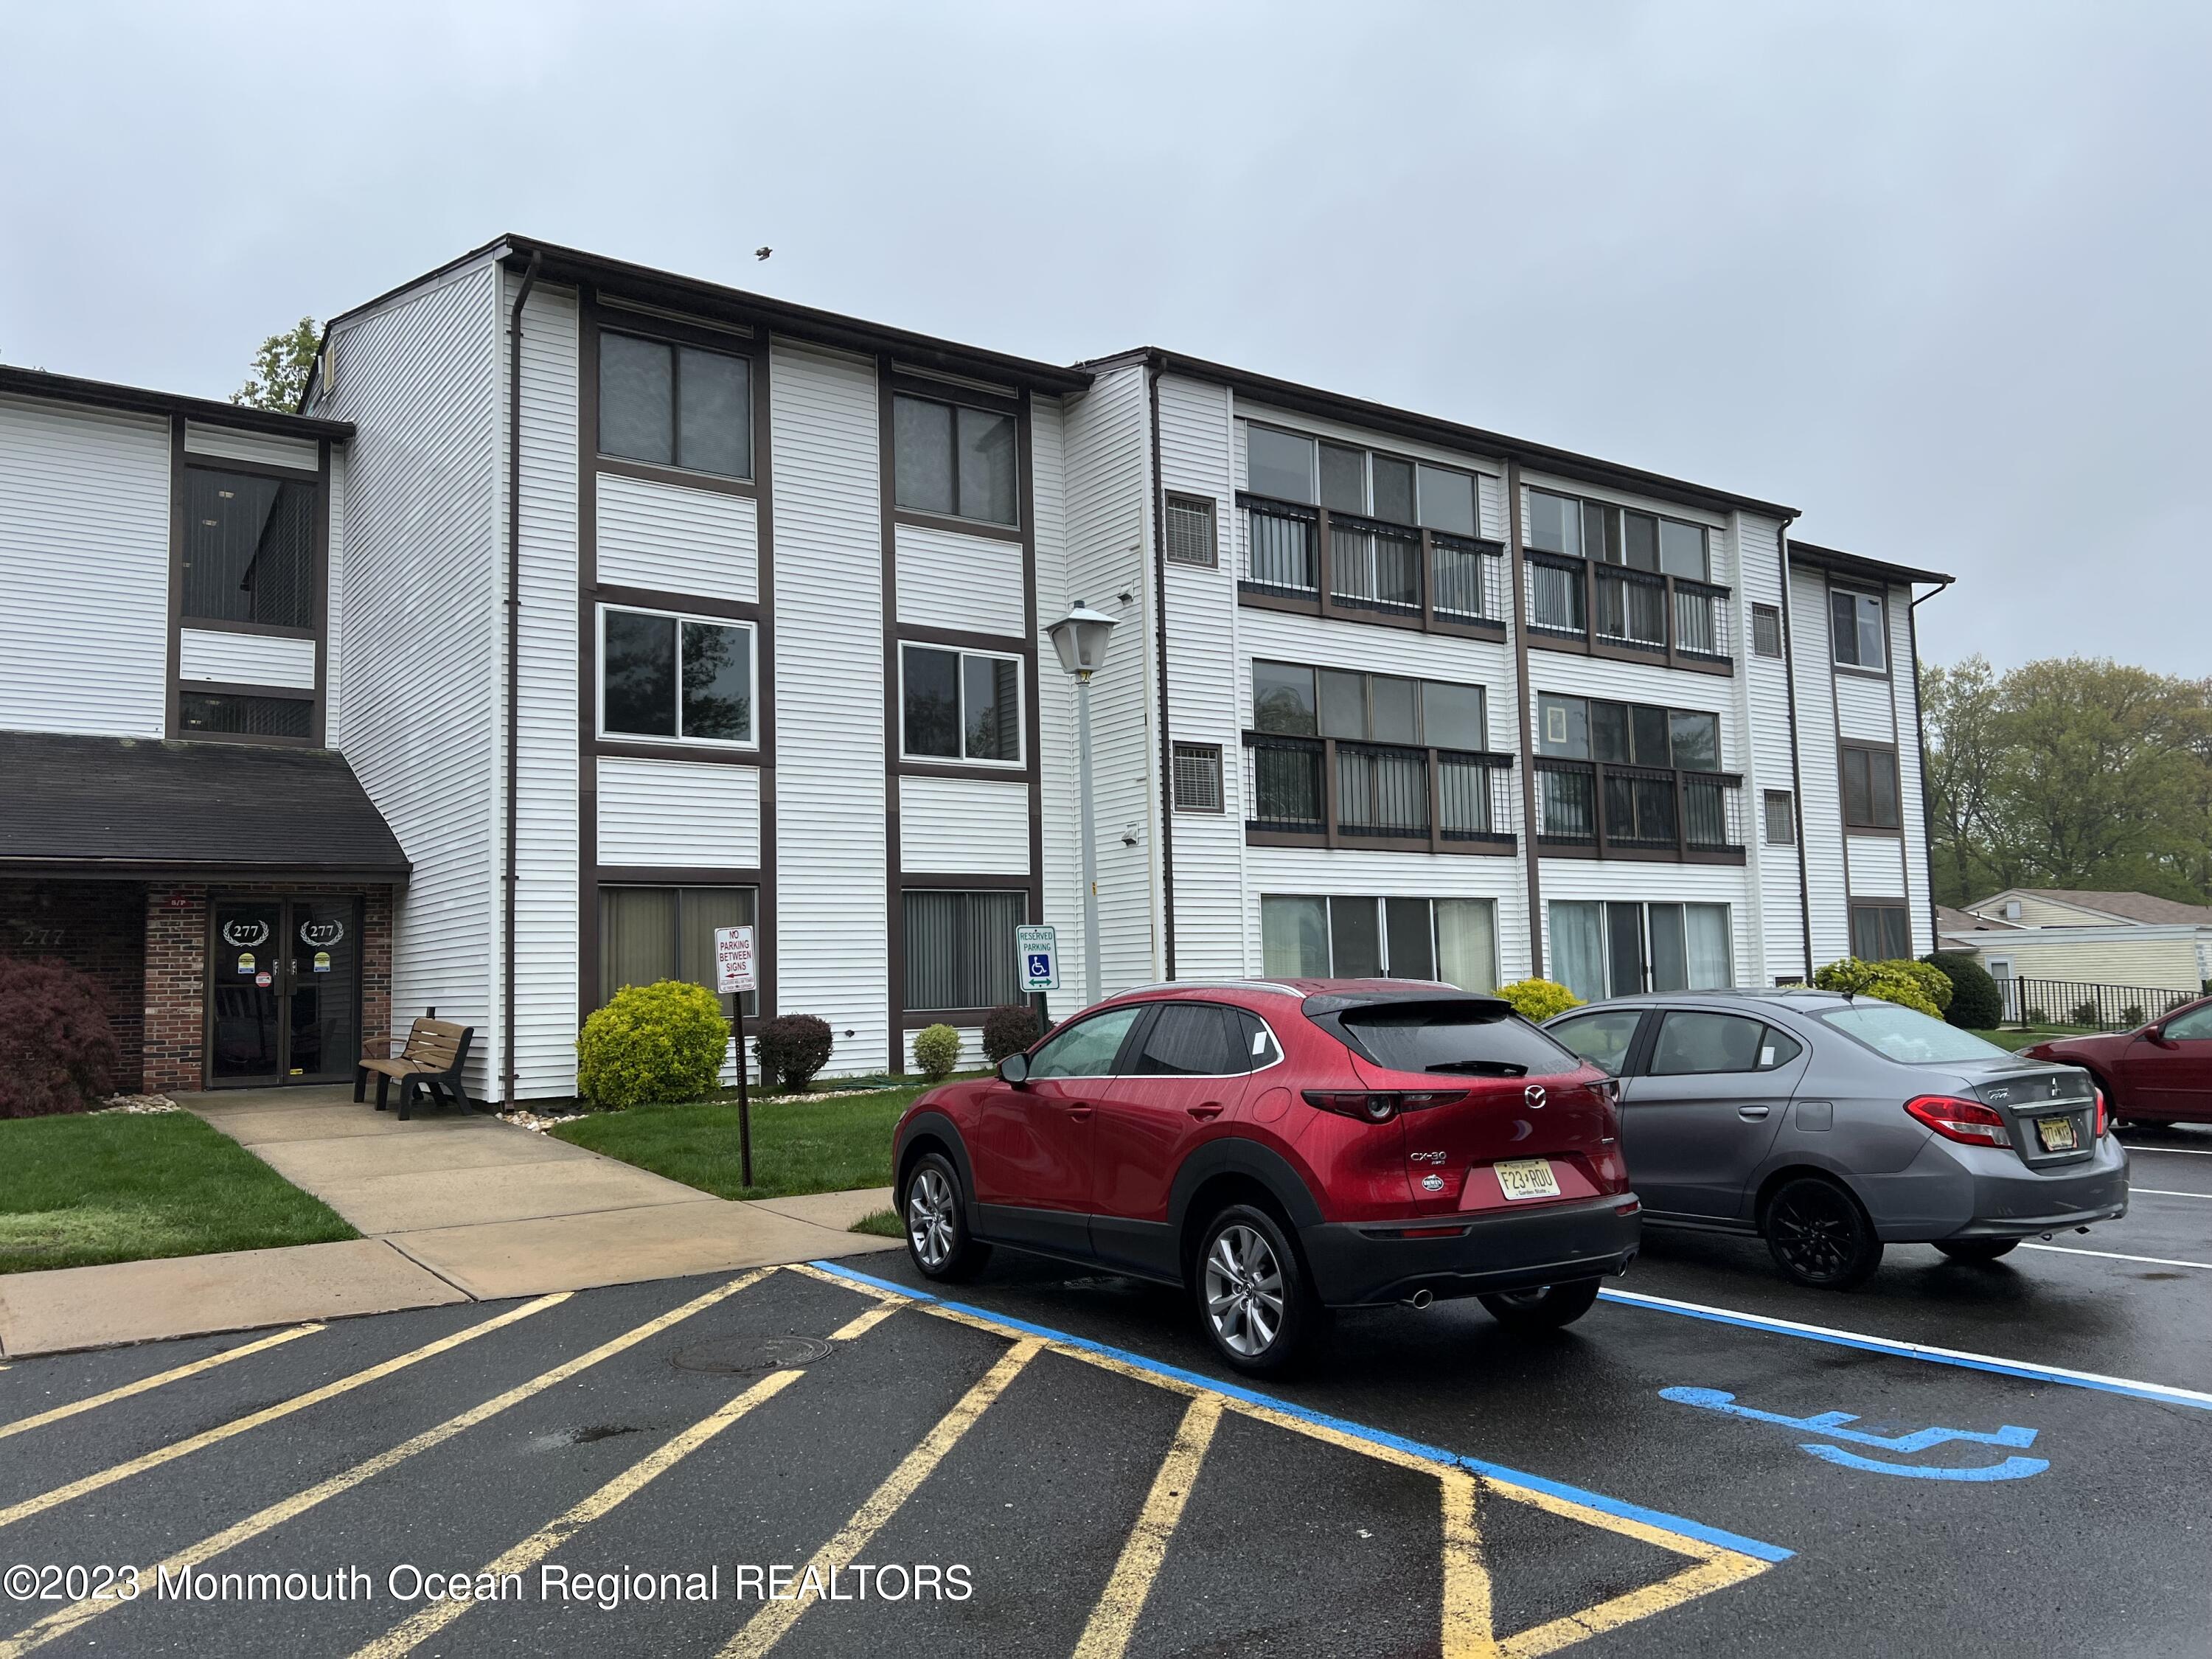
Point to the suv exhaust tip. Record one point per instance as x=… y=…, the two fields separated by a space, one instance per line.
x=1421 y=1298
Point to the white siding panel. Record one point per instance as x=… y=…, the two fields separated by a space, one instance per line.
x=679 y=814
x=1905 y=684
x=946 y=579
x=228 y=443
x=954 y=826
x=334 y=579
x=1863 y=706
x=84 y=570
x=1063 y=885
x=832 y=928
x=1766 y=699
x=1821 y=812
x=1877 y=866
x=207 y=653
x=681 y=541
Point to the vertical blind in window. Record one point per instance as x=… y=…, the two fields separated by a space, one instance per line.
x=647 y=934
x=960 y=947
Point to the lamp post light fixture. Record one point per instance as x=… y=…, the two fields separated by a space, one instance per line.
x=1080 y=639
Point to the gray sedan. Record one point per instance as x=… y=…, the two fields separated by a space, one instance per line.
x=1831 y=1126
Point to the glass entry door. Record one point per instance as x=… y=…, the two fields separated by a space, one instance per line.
x=284 y=991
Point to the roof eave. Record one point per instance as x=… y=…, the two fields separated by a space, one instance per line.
x=144 y=400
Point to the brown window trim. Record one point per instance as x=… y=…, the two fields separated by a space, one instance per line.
x=655 y=599
x=1323 y=602
x=1857 y=902
x=266 y=630
x=1843 y=746
x=1663 y=654
x=680 y=477
x=987 y=529
x=1332 y=835
x=207 y=463
x=958 y=397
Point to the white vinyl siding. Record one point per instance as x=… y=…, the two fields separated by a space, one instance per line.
x=229 y=443
x=84 y=570
x=207 y=653
x=1878 y=867
x=661 y=536
x=973 y=583
x=832 y=921
x=678 y=814
x=1863 y=706
x=951 y=826
x=1913 y=808
x=1819 y=804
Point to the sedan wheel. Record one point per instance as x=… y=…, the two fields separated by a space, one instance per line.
x=1819 y=1236
x=1252 y=1292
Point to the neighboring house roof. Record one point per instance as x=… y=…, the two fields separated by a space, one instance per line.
x=1858 y=564
x=142 y=808
x=1950 y=921
x=103 y=394
x=2121 y=907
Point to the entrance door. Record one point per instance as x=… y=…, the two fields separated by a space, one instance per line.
x=284 y=991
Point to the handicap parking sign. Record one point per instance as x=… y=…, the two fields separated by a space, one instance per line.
x=1037 y=953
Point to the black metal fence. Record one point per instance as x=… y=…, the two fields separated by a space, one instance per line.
x=2090 y=1007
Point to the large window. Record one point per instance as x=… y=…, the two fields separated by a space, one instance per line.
x=1310 y=937
x=647 y=934
x=1628 y=733
x=1606 y=534
x=960 y=947
x=1291 y=467
x=685 y=679
x=1882 y=931
x=952 y=459
x=249 y=548
x=960 y=705
x=1336 y=703
x=237 y=715
x=1614 y=949
x=1856 y=629
x=676 y=405
x=1870 y=799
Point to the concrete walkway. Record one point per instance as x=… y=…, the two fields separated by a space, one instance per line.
x=455 y=1207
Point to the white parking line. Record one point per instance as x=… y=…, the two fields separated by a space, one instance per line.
x=2177 y=1151
x=2164 y=1192
x=2114 y=1256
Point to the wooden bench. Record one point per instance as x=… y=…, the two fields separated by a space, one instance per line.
x=431 y=1059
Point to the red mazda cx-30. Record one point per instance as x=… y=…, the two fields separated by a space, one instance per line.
x=1278 y=1147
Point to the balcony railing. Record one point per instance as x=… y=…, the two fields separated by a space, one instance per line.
x=1323 y=792
x=1342 y=564
x=1593 y=809
x=1613 y=611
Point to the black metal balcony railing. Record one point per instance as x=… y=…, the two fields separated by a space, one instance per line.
x=1308 y=558
x=1330 y=792
x=1617 y=611
x=1594 y=809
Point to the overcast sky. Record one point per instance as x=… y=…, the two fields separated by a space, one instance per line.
x=1934 y=274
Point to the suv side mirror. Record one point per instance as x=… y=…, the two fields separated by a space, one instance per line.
x=1014 y=1069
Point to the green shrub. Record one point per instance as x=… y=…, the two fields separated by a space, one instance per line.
x=1890 y=981
x=653 y=1045
x=937 y=1051
x=792 y=1049
x=1976 y=1003
x=2085 y=1013
x=1008 y=1030
x=1538 y=999
x=1929 y=977
x=2133 y=1015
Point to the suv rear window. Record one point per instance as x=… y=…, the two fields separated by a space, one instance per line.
x=1468 y=1039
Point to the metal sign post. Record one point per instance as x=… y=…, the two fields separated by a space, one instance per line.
x=734 y=977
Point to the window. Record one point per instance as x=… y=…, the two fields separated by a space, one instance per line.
x=960 y=947
x=676 y=405
x=1086 y=1047
x=1880 y=932
x=1602 y=1038
x=647 y=934
x=1781 y=818
x=1614 y=948
x=1291 y=467
x=1909 y=1036
x=1193 y=1039
x=952 y=459
x=1869 y=787
x=1451 y=940
x=1455 y=1039
x=1692 y=1044
x=1856 y=629
x=1766 y=630
x=684 y=679
x=1606 y=534
x=2195 y=1026
x=1190 y=530
x=237 y=716
x=1198 y=777
x=1336 y=702
x=1628 y=734
x=249 y=548
x=960 y=705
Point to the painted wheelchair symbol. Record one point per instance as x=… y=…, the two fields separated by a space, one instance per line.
x=1831 y=1423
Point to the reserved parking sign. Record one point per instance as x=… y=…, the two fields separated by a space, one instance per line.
x=1037 y=955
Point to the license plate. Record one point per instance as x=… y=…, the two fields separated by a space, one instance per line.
x=2056 y=1133
x=1528 y=1177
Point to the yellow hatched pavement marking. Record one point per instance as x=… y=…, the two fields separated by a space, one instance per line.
x=238 y=1425
x=64 y=1619
x=768 y=1626
x=436 y=1616
x=23 y=1425
x=1468 y=1631
x=1114 y=1620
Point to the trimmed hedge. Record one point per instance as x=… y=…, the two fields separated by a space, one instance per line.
x=1539 y=1000
x=58 y=1051
x=792 y=1049
x=1976 y=1004
x=651 y=1045
x=937 y=1051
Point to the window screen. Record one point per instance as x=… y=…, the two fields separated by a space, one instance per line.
x=1855 y=629
x=249 y=548
x=954 y=459
x=1766 y=630
x=211 y=712
x=960 y=947
x=1781 y=818
x=1871 y=788
x=1190 y=530
x=675 y=405
x=1197 y=777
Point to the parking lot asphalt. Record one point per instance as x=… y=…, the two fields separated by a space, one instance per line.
x=2007 y=1457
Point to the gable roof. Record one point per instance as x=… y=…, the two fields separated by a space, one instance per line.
x=1951 y=920
x=2124 y=907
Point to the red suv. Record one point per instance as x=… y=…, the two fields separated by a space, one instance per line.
x=1283 y=1147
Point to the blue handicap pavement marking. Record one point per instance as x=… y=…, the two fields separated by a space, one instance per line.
x=1831 y=1423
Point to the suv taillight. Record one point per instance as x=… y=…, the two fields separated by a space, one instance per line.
x=1380 y=1106
x=2101 y=1113
x=1967 y=1122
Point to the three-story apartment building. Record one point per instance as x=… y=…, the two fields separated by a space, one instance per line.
x=586 y=608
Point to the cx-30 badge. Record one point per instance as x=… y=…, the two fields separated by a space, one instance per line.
x=1534 y=1095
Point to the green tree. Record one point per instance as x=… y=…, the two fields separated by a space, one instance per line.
x=1959 y=707
x=280 y=368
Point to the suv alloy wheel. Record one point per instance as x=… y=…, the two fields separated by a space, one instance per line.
x=1252 y=1294
x=936 y=1224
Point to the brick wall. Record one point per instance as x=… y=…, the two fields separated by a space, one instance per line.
x=94 y=926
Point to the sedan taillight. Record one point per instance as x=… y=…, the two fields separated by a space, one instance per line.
x=1378 y=1106
x=1967 y=1122
x=2100 y=1114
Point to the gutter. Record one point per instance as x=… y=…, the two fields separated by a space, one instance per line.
x=513 y=668
x=1796 y=772
x=1160 y=621
x=1920 y=736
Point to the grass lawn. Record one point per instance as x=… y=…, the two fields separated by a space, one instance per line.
x=77 y=1190
x=2018 y=1040
x=798 y=1146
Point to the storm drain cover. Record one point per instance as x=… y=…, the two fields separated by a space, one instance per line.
x=735 y=1356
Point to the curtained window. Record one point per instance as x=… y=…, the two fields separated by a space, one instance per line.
x=647 y=934
x=960 y=947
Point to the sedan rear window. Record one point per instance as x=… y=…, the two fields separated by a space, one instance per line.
x=1908 y=1036
x=1471 y=1039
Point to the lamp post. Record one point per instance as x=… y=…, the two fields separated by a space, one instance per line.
x=1079 y=637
